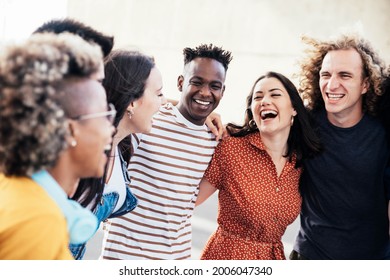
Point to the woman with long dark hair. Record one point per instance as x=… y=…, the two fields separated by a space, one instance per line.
x=134 y=86
x=257 y=171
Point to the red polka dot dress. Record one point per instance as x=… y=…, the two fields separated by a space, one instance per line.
x=255 y=205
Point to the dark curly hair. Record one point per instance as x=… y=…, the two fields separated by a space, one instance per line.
x=373 y=69
x=76 y=27
x=33 y=76
x=208 y=51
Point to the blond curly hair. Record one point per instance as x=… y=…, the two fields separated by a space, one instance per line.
x=33 y=75
x=310 y=66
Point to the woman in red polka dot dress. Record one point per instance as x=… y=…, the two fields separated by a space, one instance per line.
x=256 y=171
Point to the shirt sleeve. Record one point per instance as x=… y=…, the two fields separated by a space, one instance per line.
x=214 y=172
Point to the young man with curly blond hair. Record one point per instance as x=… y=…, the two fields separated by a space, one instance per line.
x=344 y=208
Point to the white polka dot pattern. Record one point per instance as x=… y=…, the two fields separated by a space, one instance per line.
x=255 y=205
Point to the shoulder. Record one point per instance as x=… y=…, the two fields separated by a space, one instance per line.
x=374 y=124
x=30 y=214
x=26 y=196
x=232 y=143
x=166 y=109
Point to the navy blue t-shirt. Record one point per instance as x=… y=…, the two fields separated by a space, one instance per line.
x=344 y=207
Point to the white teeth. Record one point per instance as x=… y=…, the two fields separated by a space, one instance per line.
x=335 y=96
x=202 y=102
x=268 y=113
x=107 y=147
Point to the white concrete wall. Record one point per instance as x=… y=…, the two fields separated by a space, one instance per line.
x=17 y=21
x=262 y=34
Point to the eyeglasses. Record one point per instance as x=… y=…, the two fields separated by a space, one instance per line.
x=110 y=115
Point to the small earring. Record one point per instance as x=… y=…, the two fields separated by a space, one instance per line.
x=73 y=143
x=292 y=120
x=252 y=124
x=130 y=113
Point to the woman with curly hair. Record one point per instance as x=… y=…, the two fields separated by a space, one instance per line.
x=344 y=209
x=55 y=128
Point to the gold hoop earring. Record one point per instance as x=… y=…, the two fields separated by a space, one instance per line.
x=252 y=124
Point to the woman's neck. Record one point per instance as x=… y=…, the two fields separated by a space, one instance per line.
x=64 y=179
x=120 y=134
x=276 y=146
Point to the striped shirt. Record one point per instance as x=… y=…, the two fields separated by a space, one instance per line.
x=165 y=169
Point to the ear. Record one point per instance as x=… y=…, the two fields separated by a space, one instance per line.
x=72 y=127
x=366 y=85
x=180 y=81
x=133 y=105
x=74 y=131
x=223 y=90
x=294 y=112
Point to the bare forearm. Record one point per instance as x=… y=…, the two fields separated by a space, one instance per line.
x=206 y=189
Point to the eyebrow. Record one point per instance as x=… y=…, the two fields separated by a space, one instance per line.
x=345 y=72
x=338 y=73
x=212 y=81
x=271 y=90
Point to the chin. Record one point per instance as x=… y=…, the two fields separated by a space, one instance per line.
x=146 y=129
x=100 y=172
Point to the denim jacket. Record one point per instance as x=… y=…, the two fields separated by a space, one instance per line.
x=104 y=209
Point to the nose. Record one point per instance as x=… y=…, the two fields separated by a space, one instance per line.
x=265 y=100
x=333 y=83
x=205 y=90
x=163 y=100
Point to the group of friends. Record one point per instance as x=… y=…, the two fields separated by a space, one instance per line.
x=88 y=138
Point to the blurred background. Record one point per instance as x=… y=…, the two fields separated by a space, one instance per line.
x=263 y=35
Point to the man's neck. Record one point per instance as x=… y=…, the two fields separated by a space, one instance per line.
x=345 y=120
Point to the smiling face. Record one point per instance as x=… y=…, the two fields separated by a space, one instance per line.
x=93 y=135
x=342 y=86
x=148 y=105
x=271 y=107
x=202 y=87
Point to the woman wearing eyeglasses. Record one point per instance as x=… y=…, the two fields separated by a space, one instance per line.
x=55 y=127
x=134 y=86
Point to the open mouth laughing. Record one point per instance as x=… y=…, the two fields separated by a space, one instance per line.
x=268 y=114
